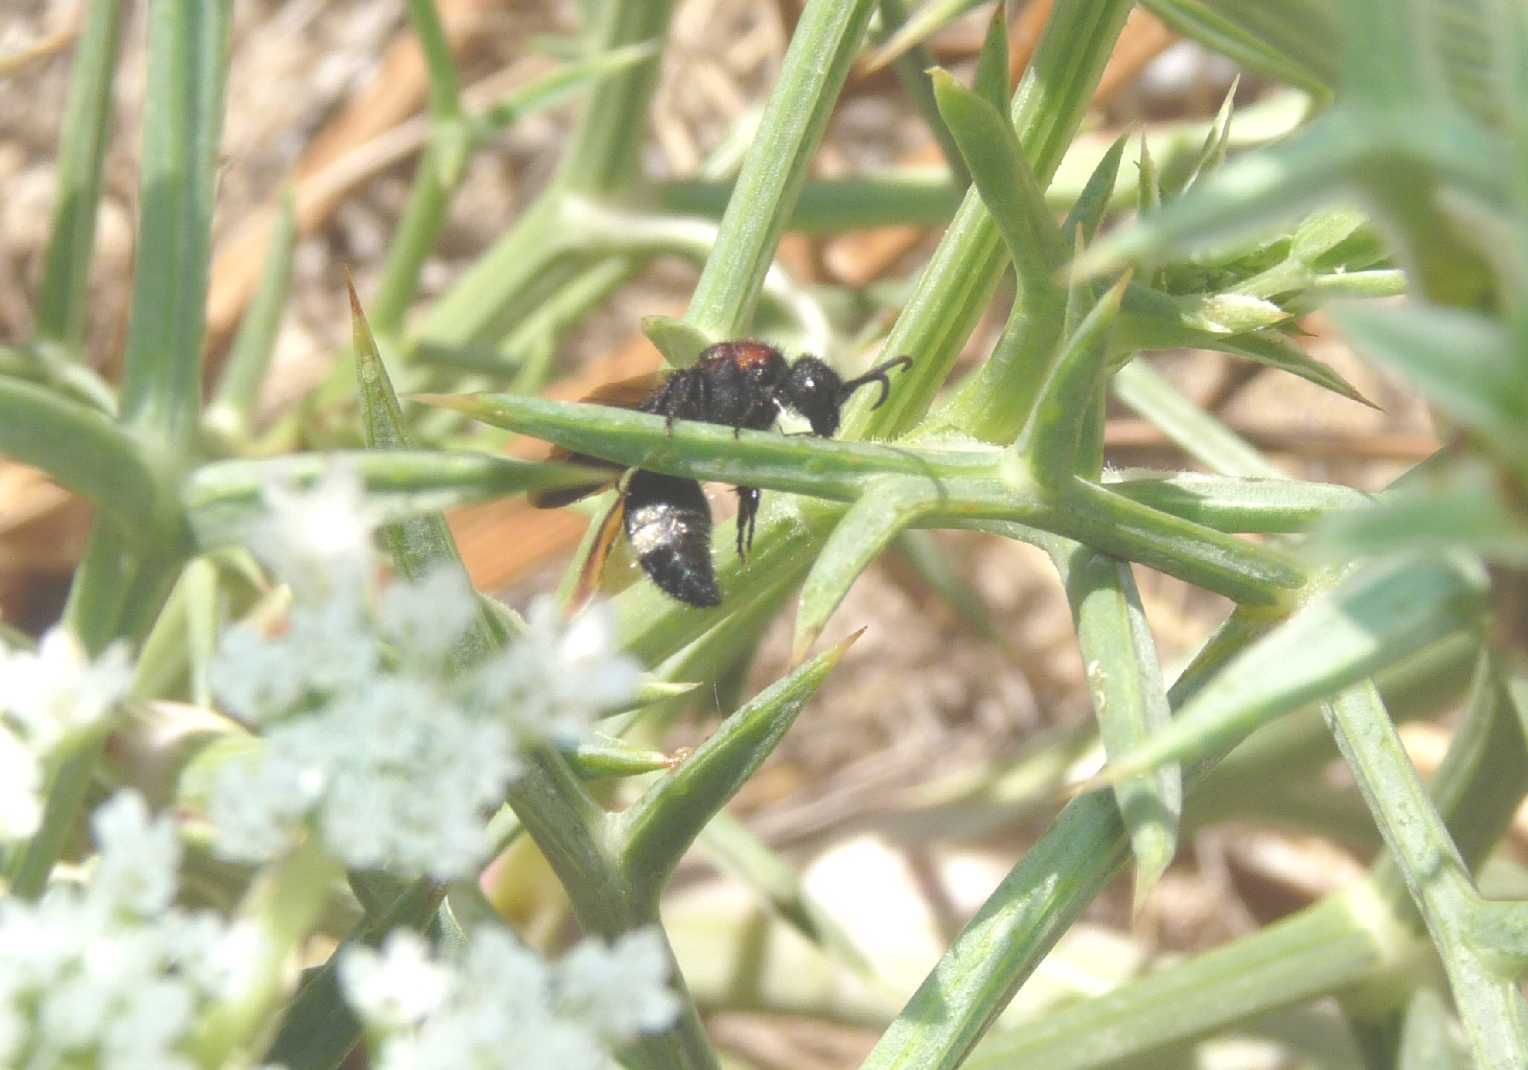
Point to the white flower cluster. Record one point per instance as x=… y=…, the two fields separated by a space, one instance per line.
x=497 y=1003
x=111 y=974
x=374 y=733
x=46 y=699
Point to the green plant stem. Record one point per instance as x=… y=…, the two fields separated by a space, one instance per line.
x=230 y=414
x=1491 y=1007
x=182 y=128
x=1035 y=904
x=823 y=47
x=954 y=288
x=61 y=302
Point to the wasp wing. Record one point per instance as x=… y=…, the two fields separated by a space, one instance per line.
x=619 y=393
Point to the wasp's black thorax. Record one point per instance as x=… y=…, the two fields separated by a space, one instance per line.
x=735 y=384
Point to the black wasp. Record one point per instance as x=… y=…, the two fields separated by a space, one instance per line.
x=666 y=518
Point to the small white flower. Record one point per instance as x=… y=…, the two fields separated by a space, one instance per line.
x=20 y=787
x=58 y=691
x=554 y=681
x=318 y=538
x=139 y=856
x=496 y=1003
x=620 y=990
x=398 y=987
x=110 y=973
x=424 y=620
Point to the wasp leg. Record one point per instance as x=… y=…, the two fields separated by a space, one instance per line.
x=747 y=517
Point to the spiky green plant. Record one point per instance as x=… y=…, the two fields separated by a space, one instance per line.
x=1410 y=175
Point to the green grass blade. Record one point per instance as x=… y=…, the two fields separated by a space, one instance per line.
x=61 y=303
x=80 y=448
x=556 y=86
x=656 y=830
x=1427 y=1037
x=1051 y=439
x=182 y=126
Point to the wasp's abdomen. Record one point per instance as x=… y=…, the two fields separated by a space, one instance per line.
x=668 y=523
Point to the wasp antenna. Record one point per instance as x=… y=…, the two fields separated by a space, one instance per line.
x=879 y=374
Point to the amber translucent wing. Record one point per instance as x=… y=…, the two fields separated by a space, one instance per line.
x=594 y=565
x=620 y=394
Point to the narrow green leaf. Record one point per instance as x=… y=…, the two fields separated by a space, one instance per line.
x=182 y=126
x=992 y=65
x=1295 y=43
x=1248 y=196
x=736 y=850
x=82 y=449
x=883 y=510
x=422 y=543
x=1250 y=505
x=658 y=828
x=1386 y=66
x=1129 y=699
x=1374 y=618
x=1007 y=184
x=61 y=302
x=1427 y=1038
x=230 y=414
x=600 y=759
x=1088 y=211
x=822 y=49
x=680 y=343
x=1213 y=152
x=1301 y=959
x=1051 y=437
x=1462 y=509
x=1461 y=360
